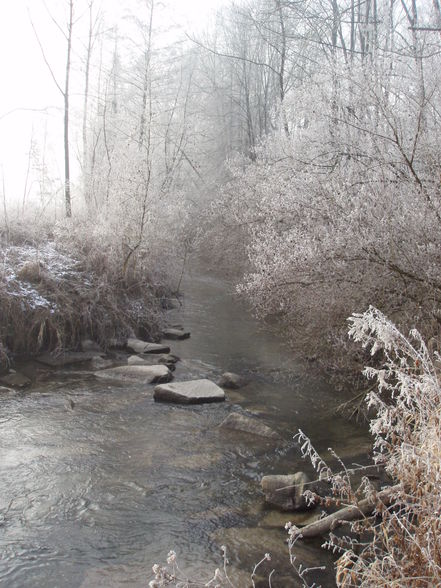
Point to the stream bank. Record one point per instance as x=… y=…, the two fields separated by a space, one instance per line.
x=95 y=494
x=57 y=289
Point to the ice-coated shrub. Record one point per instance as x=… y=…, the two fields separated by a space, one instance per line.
x=398 y=544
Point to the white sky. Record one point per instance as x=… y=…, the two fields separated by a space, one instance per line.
x=26 y=84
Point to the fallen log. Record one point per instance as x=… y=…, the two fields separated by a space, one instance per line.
x=347 y=514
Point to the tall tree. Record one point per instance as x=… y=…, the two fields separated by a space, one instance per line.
x=64 y=90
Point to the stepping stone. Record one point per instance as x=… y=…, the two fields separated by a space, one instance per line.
x=245 y=424
x=176 y=334
x=138 y=346
x=192 y=392
x=137 y=360
x=145 y=374
x=151 y=360
x=156 y=348
x=67 y=358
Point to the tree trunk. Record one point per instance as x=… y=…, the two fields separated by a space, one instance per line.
x=67 y=194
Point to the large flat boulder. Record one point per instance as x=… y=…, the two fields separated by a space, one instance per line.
x=145 y=374
x=192 y=392
x=138 y=346
x=175 y=334
x=250 y=425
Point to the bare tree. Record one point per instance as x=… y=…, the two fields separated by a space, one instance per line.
x=67 y=34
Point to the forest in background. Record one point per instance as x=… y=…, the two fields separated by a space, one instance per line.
x=294 y=144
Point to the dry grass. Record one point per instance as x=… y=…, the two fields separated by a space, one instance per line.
x=61 y=284
x=400 y=544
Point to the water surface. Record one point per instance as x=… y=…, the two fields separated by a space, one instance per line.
x=94 y=495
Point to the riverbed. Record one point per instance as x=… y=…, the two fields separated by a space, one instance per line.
x=98 y=482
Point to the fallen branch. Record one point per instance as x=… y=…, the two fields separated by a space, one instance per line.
x=347 y=514
x=373 y=466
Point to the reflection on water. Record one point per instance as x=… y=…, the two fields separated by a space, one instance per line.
x=93 y=495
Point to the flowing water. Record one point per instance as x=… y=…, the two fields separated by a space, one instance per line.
x=98 y=482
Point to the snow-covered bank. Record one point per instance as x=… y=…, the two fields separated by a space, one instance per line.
x=57 y=289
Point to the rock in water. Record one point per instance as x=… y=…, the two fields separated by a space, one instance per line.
x=231 y=381
x=137 y=360
x=99 y=363
x=15 y=380
x=176 y=334
x=151 y=359
x=138 y=346
x=276 y=519
x=286 y=492
x=192 y=392
x=245 y=424
x=146 y=374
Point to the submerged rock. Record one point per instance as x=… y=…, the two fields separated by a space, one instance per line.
x=286 y=492
x=249 y=544
x=99 y=363
x=15 y=380
x=231 y=381
x=192 y=392
x=195 y=461
x=277 y=520
x=146 y=374
x=138 y=346
x=245 y=424
x=176 y=334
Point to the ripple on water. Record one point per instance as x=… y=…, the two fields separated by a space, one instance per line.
x=101 y=490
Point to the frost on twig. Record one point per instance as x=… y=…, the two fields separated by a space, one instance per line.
x=397 y=542
x=170 y=574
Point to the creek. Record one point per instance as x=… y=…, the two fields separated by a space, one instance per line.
x=98 y=482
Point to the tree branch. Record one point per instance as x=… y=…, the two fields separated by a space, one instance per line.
x=347 y=514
